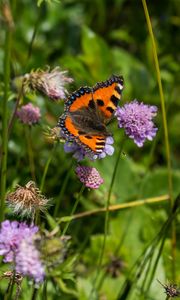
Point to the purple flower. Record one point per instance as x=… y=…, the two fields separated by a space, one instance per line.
x=29 y=114
x=28 y=260
x=89 y=176
x=51 y=83
x=136 y=119
x=80 y=153
x=11 y=234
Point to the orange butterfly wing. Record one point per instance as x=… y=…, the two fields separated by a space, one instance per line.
x=107 y=95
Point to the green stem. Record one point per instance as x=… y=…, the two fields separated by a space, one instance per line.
x=30 y=152
x=74 y=209
x=61 y=194
x=106 y=224
x=15 y=109
x=44 y=292
x=7 y=57
x=167 y=146
x=34 y=293
x=47 y=167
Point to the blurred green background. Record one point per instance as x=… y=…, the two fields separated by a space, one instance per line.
x=94 y=39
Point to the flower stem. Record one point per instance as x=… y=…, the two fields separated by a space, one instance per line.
x=61 y=194
x=20 y=94
x=74 y=208
x=47 y=167
x=106 y=224
x=167 y=146
x=7 y=57
x=30 y=152
x=34 y=293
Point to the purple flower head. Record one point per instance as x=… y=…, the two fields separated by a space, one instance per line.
x=29 y=114
x=28 y=261
x=136 y=119
x=79 y=152
x=50 y=83
x=11 y=234
x=89 y=176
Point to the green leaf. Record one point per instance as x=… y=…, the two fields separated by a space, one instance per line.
x=155 y=183
x=96 y=54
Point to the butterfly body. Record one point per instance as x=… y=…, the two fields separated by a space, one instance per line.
x=88 y=110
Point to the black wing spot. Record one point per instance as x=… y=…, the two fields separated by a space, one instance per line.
x=88 y=137
x=100 y=102
x=110 y=109
x=80 y=132
x=91 y=104
x=117 y=89
x=100 y=143
x=114 y=100
x=100 y=138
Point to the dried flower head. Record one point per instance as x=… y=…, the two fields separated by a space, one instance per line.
x=136 y=119
x=53 y=134
x=27 y=200
x=171 y=290
x=27 y=260
x=11 y=234
x=16 y=278
x=89 y=176
x=115 y=266
x=10 y=274
x=29 y=114
x=7 y=15
x=50 y=83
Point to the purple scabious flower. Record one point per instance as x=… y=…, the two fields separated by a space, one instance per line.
x=28 y=261
x=29 y=114
x=80 y=153
x=136 y=119
x=11 y=234
x=89 y=176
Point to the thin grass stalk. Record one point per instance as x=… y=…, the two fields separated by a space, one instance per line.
x=117 y=207
x=133 y=277
x=34 y=293
x=20 y=94
x=47 y=167
x=156 y=263
x=74 y=208
x=44 y=292
x=30 y=152
x=169 y=222
x=167 y=146
x=63 y=188
x=7 y=58
x=106 y=224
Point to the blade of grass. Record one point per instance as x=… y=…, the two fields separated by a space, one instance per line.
x=7 y=59
x=167 y=146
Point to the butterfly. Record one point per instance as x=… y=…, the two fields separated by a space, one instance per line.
x=87 y=112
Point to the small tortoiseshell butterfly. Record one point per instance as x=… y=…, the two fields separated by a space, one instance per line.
x=88 y=110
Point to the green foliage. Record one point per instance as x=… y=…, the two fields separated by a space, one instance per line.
x=94 y=39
